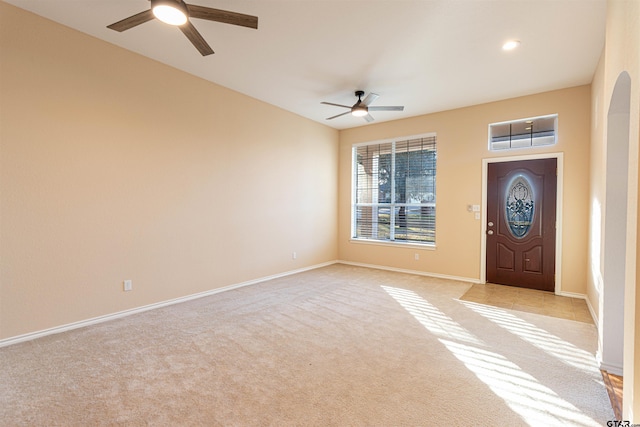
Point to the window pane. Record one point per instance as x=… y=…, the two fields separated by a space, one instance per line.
x=415 y=223
x=523 y=133
x=415 y=171
x=384 y=178
x=373 y=173
x=372 y=222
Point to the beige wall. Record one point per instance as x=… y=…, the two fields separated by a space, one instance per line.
x=621 y=55
x=462 y=145
x=114 y=166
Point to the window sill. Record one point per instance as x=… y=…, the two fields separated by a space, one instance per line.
x=425 y=246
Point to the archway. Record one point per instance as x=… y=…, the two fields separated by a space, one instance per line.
x=611 y=316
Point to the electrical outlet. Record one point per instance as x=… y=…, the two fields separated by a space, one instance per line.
x=128 y=285
x=416 y=256
x=294 y=255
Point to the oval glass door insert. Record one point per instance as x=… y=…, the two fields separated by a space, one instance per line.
x=519 y=207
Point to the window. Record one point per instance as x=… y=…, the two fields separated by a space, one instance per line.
x=523 y=133
x=394 y=191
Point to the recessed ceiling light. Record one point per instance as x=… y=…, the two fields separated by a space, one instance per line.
x=511 y=44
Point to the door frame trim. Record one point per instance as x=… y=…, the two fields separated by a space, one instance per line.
x=559 y=193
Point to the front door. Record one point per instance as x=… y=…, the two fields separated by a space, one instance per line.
x=521 y=223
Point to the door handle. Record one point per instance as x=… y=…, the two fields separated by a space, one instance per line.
x=490 y=232
x=490 y=224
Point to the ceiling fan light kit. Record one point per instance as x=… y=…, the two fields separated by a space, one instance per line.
x=172 y=12
x=179 y=13
x=511 y=45
x=359 y=111
x=362 y=107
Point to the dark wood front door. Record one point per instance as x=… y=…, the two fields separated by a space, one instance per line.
x=521 y=223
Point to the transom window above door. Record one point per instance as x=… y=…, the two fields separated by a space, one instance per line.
x=523 y=133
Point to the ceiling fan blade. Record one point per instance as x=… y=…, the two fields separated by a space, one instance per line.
x=338 y=115
x=196 y=39
x=388 y=108
x=370 y=98
x=369 y=118
x=336 y=105
x=223 y=16
x=132 y=21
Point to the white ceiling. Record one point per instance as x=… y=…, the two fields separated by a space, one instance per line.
x=428 y=55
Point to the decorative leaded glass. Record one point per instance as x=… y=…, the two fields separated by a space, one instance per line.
x=519 y=207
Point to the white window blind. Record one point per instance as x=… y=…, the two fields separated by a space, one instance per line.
x=394 y=191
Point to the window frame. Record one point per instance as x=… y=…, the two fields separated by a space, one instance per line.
x=515 y=140
x=393 y=205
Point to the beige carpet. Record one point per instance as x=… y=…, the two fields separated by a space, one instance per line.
x=340 y=345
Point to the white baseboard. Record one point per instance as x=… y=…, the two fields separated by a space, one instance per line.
x=416 y=272
x=75 y=325
x=124 y=313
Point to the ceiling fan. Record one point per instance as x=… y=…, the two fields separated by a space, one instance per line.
x=361 y=108
x=177 y=12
